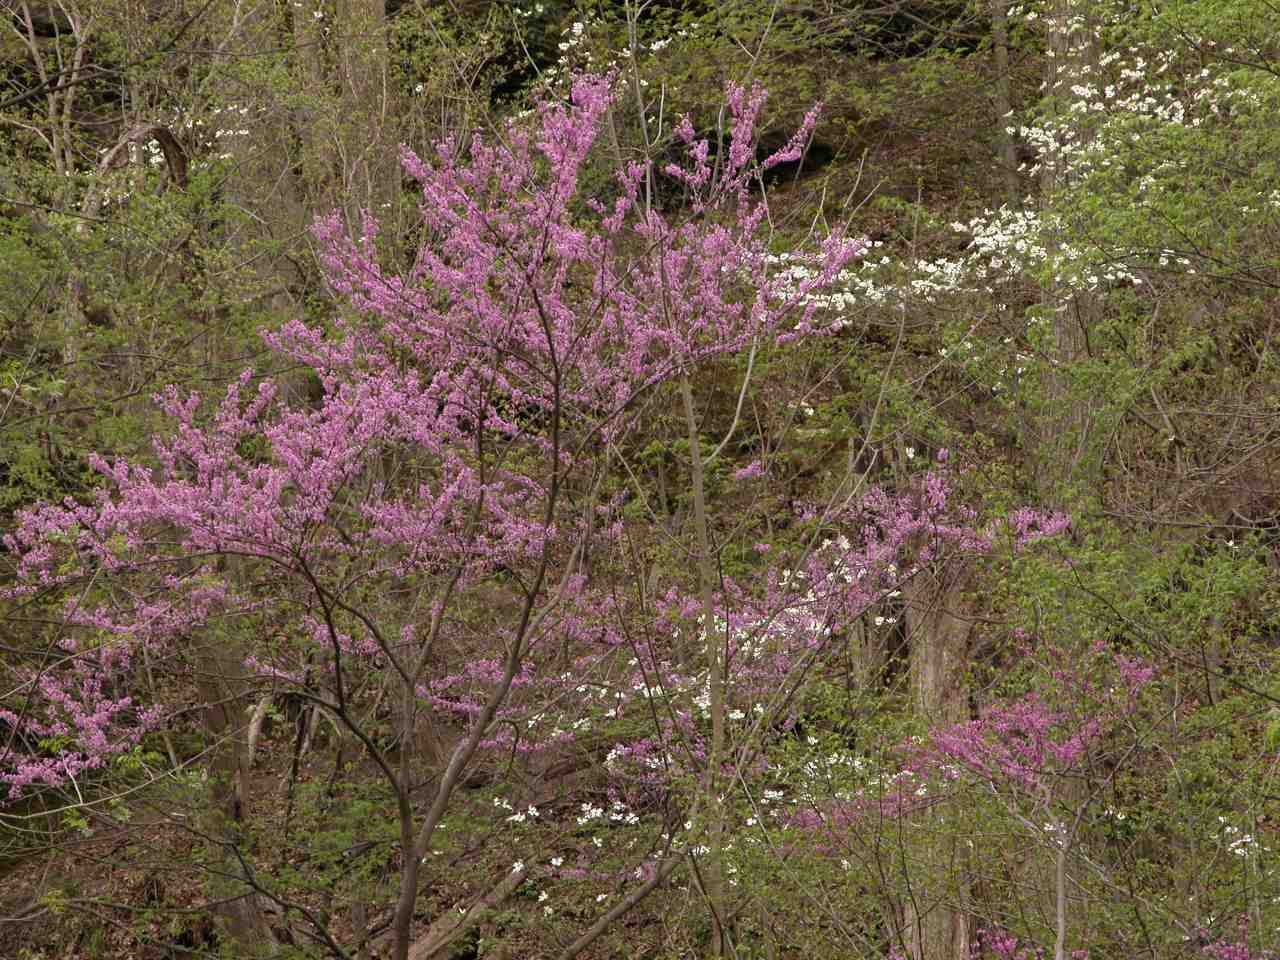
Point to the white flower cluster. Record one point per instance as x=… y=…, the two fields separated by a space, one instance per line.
x=589 y=813
x=576 y=56
x=521 y=816
x=152 y=150
x=618 y=814
x=573 y=37
x=1127 y=94
x=1239 y=844
x=823 y=774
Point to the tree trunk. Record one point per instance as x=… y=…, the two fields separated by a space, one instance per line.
x=1003 y=100
x=1072 y=309
x=221 y=682
x=348 y=140
x=712 y=880
x=1066 y=471
x=936 y=928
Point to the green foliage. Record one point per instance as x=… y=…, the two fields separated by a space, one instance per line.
x=1158 y=432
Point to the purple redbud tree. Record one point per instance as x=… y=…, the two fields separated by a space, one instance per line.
x=457 y=453
x=416 y=535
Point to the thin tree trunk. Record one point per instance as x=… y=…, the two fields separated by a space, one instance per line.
x=349 y=141
x=221 y=686
x=1065 y=470
x=1004 y=100
x=452 y=925
x=711 y=869
x=936 y=928
x=1064 y=437
x=369 y=137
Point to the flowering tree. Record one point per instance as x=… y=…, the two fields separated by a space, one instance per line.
x=420 y=527
x=417 y=534
x=512 y=553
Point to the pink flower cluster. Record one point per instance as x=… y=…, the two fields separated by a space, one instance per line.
x=459 y=399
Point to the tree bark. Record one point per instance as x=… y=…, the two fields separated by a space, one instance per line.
x=1072 y=310
x=711 y=872
x=1004 y=100
x=1066 y=472
x=451 y=925
x=220 y=679
x=936 y=927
